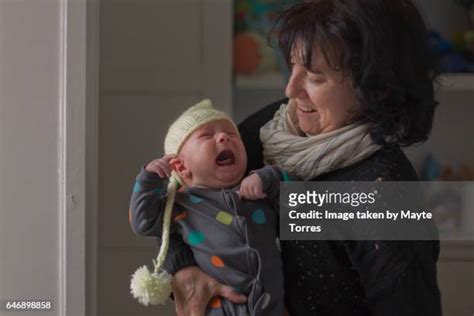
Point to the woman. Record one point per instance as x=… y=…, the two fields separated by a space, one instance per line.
x=361 y=86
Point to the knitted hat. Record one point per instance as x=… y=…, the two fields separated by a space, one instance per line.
x=155 y=288
x=193 y=118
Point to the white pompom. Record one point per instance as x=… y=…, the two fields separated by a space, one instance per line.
x=150 y=288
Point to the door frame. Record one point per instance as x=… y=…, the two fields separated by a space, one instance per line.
x=78 y=156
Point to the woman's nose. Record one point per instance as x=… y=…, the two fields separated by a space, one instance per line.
x=222 y=137
x=295 y=87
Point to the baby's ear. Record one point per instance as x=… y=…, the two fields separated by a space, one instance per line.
x=180 y=168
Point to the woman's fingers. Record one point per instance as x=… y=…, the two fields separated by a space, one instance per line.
x=193 y=289
x=196 y=306
x=229 y=293
x=193 y=305
x=197 y=310
x=178 y=305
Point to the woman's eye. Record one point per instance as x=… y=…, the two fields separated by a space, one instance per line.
x=316 y=79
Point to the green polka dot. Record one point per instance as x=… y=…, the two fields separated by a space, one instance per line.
x=258 y=216
x=157 y=191
x=286 y=176
x=195 y=238
x=224 y=217
x=137 y=187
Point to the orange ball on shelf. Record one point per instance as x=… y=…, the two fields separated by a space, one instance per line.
x=246 y=54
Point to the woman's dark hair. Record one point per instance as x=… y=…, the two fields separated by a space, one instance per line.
x=383 y=46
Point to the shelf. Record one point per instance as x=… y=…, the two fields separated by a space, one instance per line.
x=449 y=82
x=457 y=82
x=272 y=80
x=461 y=250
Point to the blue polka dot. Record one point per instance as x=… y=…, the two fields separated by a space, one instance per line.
x=195 y=238
x=258 y=216
x=137 y=187
x=157 y=191
x=194 y=199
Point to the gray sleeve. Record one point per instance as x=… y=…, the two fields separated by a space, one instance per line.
x=147 y=204
x=179 y=255
x=271 y=177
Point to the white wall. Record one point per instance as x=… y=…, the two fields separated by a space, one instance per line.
x=444 y=15
x=157 y=58
x=29 y=162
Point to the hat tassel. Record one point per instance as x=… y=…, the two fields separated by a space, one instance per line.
x=155 y=288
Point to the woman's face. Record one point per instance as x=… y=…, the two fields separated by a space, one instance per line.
x=325 y=98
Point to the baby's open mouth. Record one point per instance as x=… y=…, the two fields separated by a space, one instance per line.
x=225 y=158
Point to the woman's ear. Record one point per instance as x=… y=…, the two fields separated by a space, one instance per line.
x=180 y=168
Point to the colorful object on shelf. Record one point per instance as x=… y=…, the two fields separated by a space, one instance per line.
x=246 y=54
x=451 y=56
x=456 y=63
x=253 y=22
x=469 y=41
x=257 y=15
x=467 y=38
x=440 y=45
x=252 y=54
x=431 y=169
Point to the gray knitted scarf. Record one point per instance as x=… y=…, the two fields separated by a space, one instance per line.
x=306 y=157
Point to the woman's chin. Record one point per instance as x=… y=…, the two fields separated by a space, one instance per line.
x=306 y=122
x=309 y=129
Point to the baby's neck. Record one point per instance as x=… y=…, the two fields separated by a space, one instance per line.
x=201 y=186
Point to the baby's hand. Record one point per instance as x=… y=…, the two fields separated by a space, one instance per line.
x=161 y=166
x=251 y=188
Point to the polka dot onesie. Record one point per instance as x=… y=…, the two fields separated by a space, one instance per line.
x=234 y=240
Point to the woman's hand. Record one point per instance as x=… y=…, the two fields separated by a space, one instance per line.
x=193 y=289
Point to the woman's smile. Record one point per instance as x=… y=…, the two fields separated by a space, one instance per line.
x=305 y=109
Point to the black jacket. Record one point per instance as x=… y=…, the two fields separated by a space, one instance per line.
x=354 y=277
